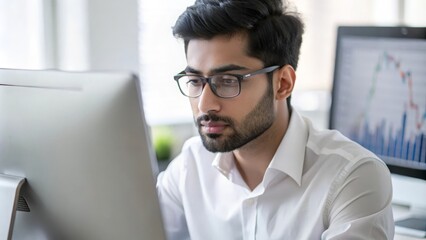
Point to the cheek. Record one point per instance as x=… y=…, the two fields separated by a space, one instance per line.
x=194 y=105
x=252 y=94
x=251 y=98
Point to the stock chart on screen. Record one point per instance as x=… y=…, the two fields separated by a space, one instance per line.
x=382 y=94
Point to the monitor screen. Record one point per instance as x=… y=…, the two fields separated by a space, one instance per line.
x=379 y=101
x=379 y=94
x=82 y=145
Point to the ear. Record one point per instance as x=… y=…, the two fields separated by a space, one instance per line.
x=284 y=82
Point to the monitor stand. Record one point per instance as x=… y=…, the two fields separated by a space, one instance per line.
x=409 y=196
x=414 y=225
x=9 y=194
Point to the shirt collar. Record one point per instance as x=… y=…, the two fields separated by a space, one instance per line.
x=290 y=155
x=288 y=158
x=224 y=163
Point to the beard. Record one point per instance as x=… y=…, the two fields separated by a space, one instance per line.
x=253 y=125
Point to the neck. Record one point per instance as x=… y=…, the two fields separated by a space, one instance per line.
x=253 y=159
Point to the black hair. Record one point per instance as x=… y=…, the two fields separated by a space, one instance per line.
x=274 y=34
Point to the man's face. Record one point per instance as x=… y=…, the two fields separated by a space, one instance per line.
x=228 y=124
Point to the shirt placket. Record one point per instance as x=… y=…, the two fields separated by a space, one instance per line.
x=249 y=210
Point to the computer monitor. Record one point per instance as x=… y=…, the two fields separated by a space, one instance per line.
x=379 y=100
x=80 y=142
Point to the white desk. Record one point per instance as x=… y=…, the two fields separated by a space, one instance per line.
x=398 y=213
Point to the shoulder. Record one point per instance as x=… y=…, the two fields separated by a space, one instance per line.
x=358 y=178
x=192 y=157
x=194 y=149
x=193 y=143
x=331 y=145
x=345 y=160
x=172 y=175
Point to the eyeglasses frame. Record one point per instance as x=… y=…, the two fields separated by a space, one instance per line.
x=207 y=80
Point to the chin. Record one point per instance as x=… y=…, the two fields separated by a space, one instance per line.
x=212 y=135
x=212 y=143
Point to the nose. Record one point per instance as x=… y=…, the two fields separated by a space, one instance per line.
x=208 y=101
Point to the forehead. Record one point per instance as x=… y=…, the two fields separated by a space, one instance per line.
x=207 y=54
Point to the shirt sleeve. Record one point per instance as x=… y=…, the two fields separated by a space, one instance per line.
x=171 y=201
x=359 y=206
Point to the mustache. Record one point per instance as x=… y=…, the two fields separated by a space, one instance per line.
x=214 y=118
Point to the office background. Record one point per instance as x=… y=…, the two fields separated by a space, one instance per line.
x=135 y=35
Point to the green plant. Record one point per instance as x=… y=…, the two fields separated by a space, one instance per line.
x=163 y=141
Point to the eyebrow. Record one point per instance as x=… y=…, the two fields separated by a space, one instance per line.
x=221 y=69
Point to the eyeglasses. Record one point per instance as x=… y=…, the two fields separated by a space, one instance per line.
x=224 y=85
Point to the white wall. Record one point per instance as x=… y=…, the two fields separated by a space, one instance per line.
x=113 y=34
x=24 y=36
x=98 y=35
x=69 y=34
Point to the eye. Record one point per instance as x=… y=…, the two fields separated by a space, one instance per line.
x=193 y=81
x=227 y=80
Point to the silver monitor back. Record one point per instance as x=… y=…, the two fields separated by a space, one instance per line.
x=81 y=143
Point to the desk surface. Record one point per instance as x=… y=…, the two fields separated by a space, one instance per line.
x=401 y=212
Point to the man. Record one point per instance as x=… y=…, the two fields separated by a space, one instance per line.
x=259 y=169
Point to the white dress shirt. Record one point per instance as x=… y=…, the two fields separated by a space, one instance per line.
x=319 y=185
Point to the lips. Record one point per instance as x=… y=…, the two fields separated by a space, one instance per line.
x=210 y=127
